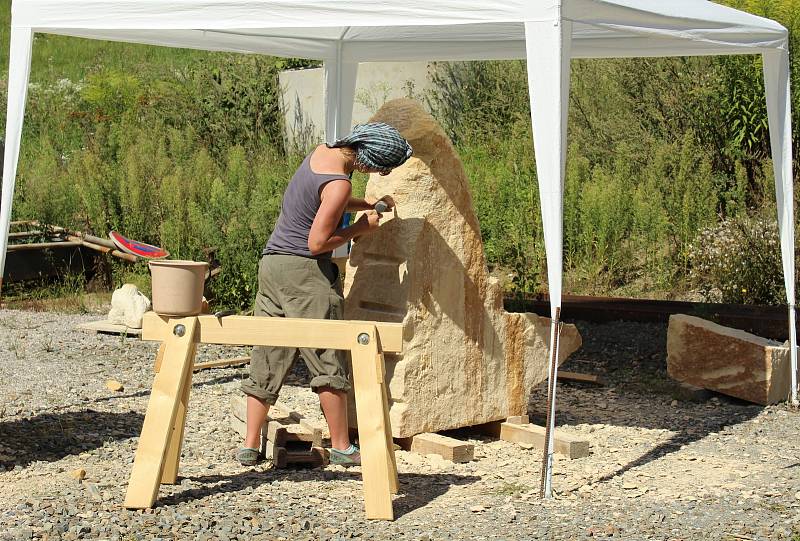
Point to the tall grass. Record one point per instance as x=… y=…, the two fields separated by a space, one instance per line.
x=184 y=149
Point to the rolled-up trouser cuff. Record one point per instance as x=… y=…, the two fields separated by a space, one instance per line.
x=249 y=387
x=337 y=383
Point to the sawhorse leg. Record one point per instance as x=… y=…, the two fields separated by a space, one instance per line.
x=159 y=428
x=374 y=430
x=173 y=458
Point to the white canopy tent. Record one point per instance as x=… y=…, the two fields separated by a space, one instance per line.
x=342 y=33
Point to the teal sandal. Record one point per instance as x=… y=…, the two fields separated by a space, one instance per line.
x=247 y=456
x=349 y=457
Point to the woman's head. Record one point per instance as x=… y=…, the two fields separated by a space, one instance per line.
x=378 y=147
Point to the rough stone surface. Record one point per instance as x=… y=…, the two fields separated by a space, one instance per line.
x=128 y=305
x=726 y=360
x=465 y=361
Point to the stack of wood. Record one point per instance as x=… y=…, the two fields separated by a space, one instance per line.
x=287 y=438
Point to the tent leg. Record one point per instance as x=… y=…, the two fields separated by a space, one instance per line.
x=779 y=113
x=19 y=67
x=793 y=352
x=547 y=461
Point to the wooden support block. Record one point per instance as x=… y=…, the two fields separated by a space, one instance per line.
x=317 y=427
x=577 y=377
x=518 y=420
x=277 y=454
x=530 y=434
x=283 y=457
x=436 y=444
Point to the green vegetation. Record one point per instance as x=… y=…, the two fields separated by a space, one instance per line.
x=183 y=149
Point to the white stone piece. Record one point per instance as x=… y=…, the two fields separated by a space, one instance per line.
x=729 y=361
x=465 y=360
x=128 y=305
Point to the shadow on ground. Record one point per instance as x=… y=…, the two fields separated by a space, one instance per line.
x=631 y=358
x=416 y=490
x=52 y=436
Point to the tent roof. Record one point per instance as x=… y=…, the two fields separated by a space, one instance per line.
x=365 y=30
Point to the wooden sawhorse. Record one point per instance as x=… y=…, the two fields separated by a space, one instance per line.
x=158 y=453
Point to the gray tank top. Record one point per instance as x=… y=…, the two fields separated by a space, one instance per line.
x=298 y=209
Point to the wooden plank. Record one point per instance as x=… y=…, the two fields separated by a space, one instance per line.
x=394 y=482
x=277 y=454
x=159 y=420
x=159 y=358
x=173 y=459
x=236 y=361
x=436 y=444
x=375 y=460
x=277 y=331
x=578 y=377
x=108 y=327
x=42 y=246
x=565 y=444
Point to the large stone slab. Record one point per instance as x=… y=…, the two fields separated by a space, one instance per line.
x=729 y=361
x=465 y=360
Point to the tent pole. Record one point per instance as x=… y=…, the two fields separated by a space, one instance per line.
x=19 y=67
x=779 y=111
x=793 y=352
x=548 y=45
x=552 y=378
x=340 y=90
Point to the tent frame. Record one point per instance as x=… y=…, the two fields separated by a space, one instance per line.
x=547 y=33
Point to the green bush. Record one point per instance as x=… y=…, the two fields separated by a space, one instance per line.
x=739 y=261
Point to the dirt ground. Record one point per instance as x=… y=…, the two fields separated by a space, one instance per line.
x=661 y=466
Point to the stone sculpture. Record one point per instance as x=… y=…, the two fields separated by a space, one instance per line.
x=465 y=360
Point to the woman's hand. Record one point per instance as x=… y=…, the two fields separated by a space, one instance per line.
x=386 y=199
x=369 y=221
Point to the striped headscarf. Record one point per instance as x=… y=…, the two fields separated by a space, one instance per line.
x=378 y=146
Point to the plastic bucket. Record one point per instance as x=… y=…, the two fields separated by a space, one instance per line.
x=178 y=287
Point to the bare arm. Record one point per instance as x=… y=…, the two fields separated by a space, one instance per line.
x=325 y=234
x=368 y=203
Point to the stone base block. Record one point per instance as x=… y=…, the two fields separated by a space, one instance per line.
x=729 y=361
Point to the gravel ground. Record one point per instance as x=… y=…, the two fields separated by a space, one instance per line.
x=660 y=467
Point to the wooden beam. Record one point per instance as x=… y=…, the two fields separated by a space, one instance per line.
x=159 y=421
x=436 y=444
x=376 y=463
x=276 y=331
x=221 y=363
x=173 y=458
x=530 y=434
x=577 y=377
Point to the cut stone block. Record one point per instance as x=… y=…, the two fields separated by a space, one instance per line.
x=465 y=360
x=729 y=361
